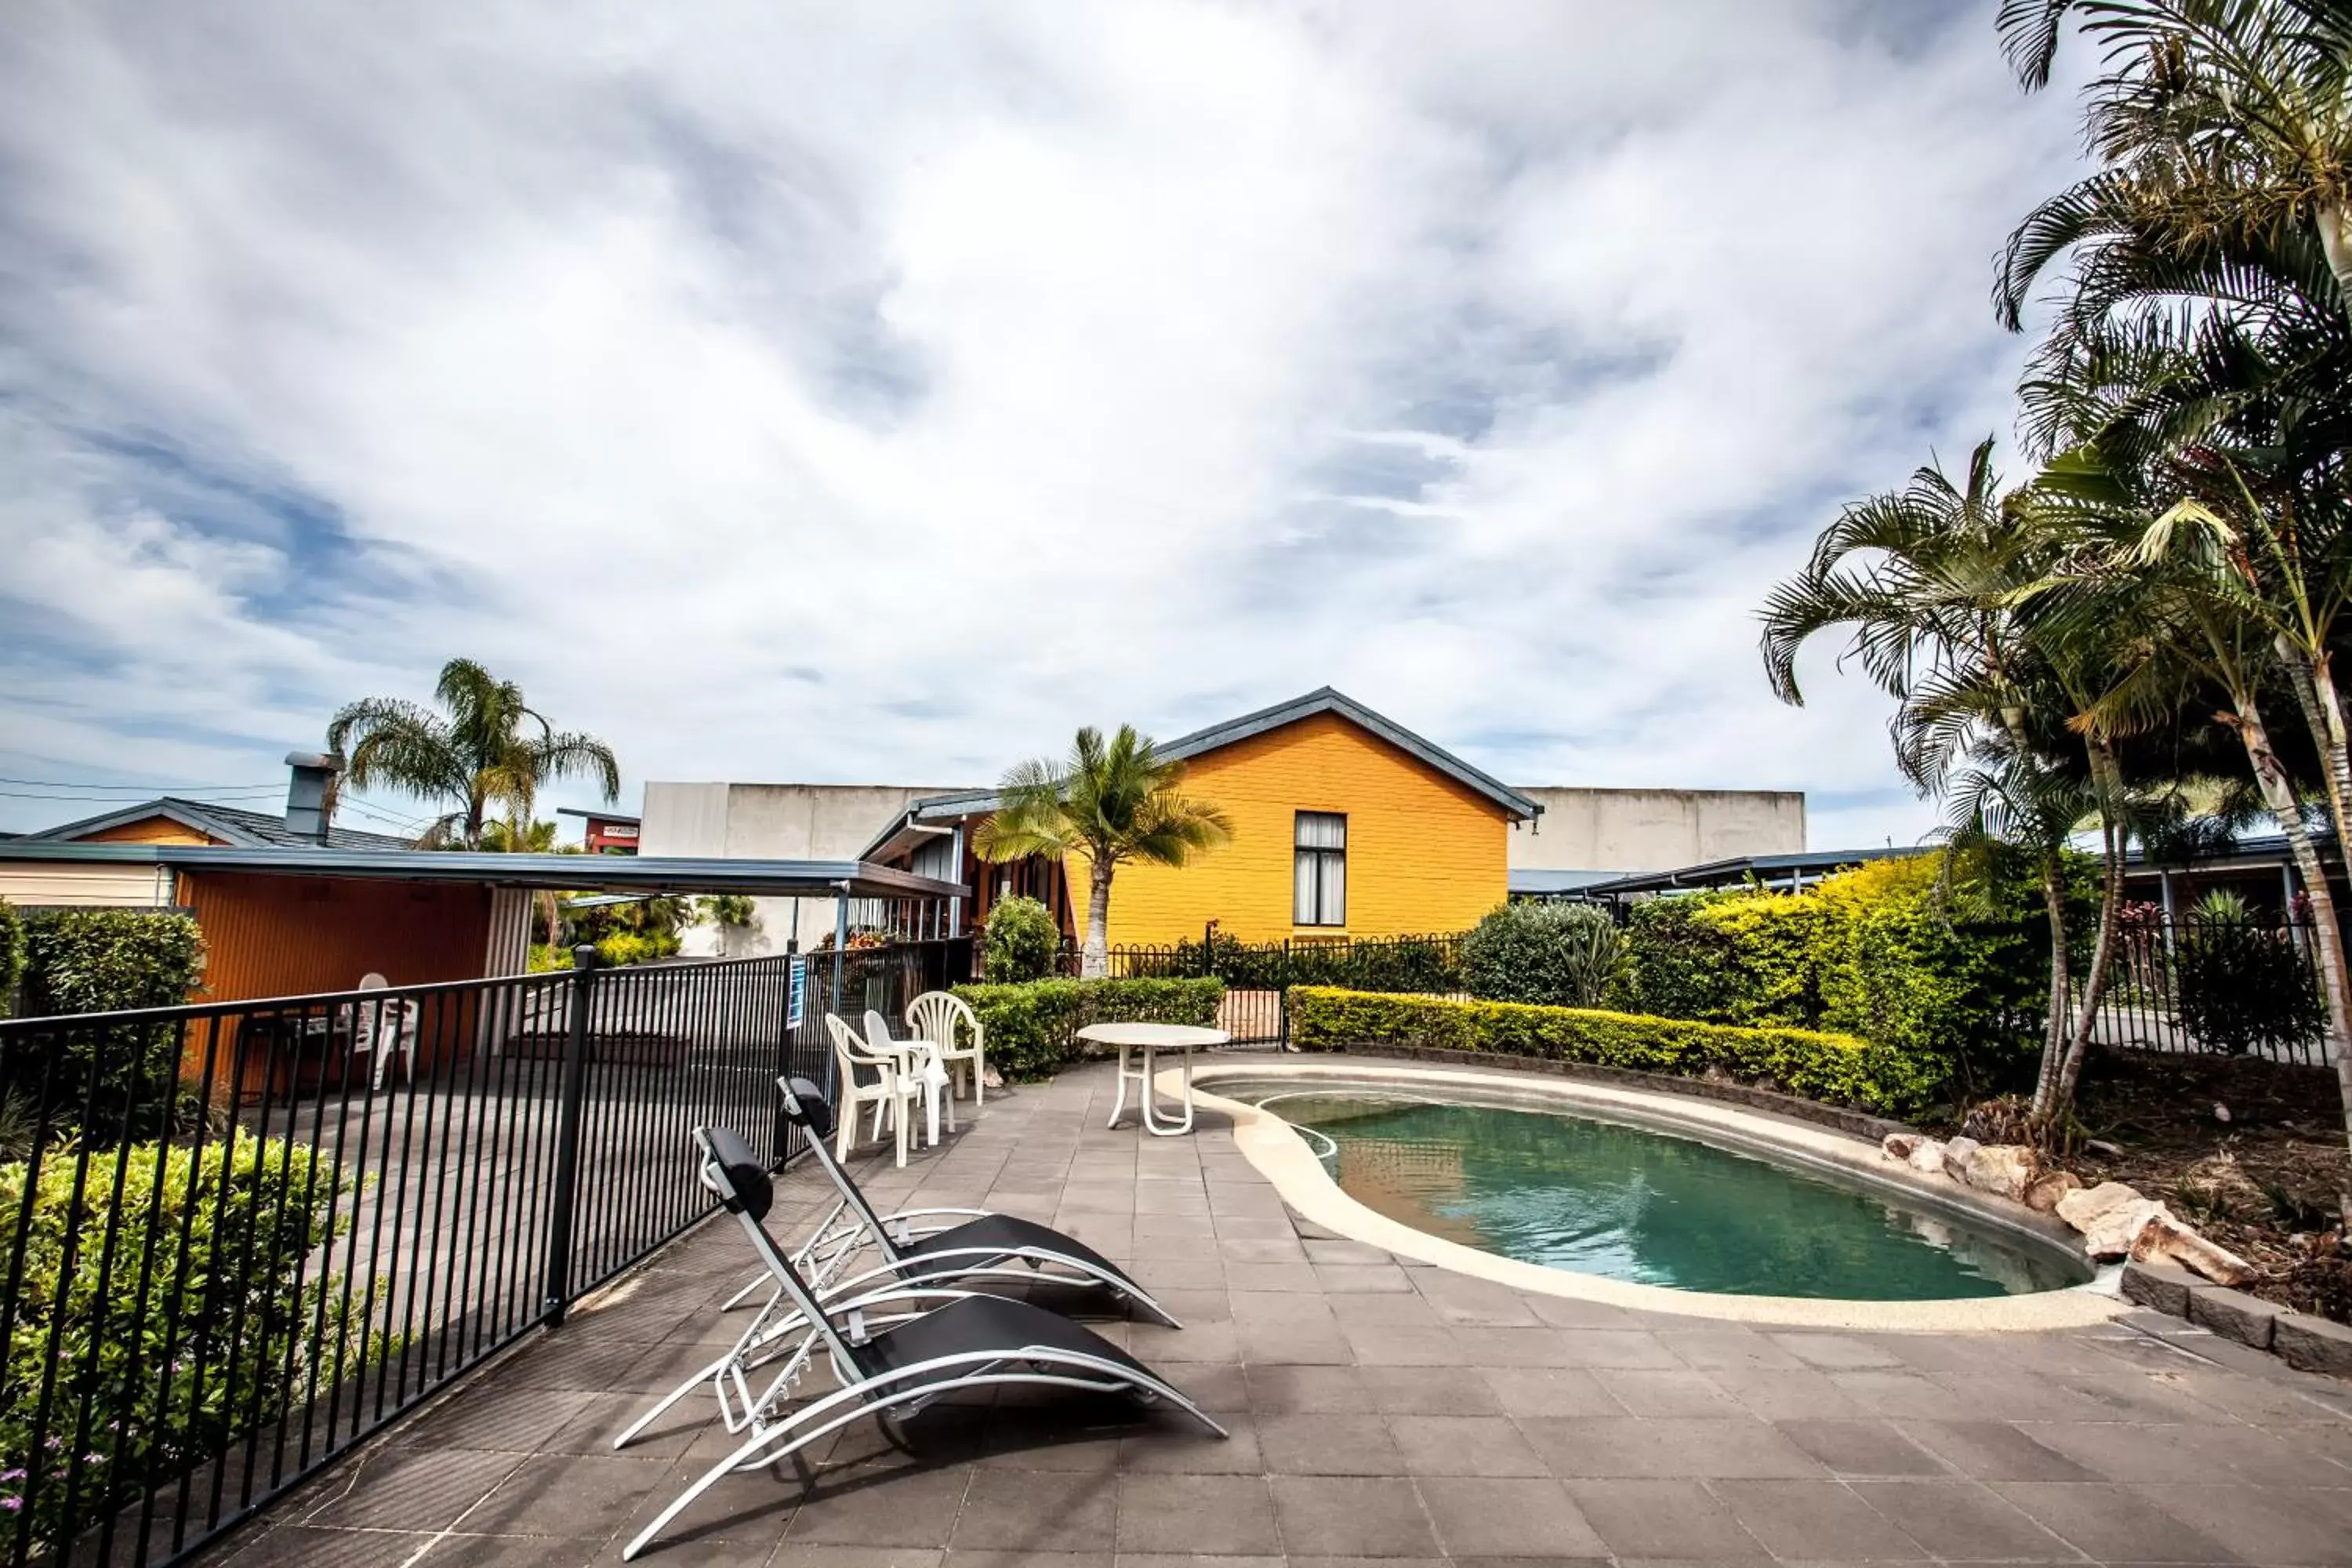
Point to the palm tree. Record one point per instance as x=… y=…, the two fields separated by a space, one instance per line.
x=1105 y=804
x=1925 y=578
x=2219 y=116
x=485 y=748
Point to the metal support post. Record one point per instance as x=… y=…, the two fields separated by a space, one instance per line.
x=564 y=1194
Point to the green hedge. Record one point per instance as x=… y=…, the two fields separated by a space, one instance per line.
x=116 y=1081
x=1887 y=951
x=1840 y=1069
x=1032 y=1028
x=236 y=1227
x=12 y=955
x=1020 y=942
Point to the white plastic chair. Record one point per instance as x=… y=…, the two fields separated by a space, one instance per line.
x=380 y=1028
x=868 y=1078
x=920 y=1061
x=936 y=1017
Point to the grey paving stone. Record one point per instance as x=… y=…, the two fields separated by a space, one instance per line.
x=1605 y=1447
x=1777 y=1393
x=1220 y=1515
x=1662 y=1518
x=1464 y=1445
x=1352 y=1516
x=902 y=1508
x=1814 y=1522
x=1961 y=1521
x=1037 y=1511
x=1860 y=1447
x=1427 y=1391
x=574 y=1495
x=1679 y=1392
x=409 y=1488
x=1550 y=1391
x=1328 y=1445
x=1992 y=1451
x=1489 y=1517
x=2113 y=1523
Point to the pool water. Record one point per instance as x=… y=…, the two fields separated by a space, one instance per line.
x=1627 y=1202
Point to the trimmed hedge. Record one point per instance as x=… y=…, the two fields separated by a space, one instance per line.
x=1032 y=1028
x=12 y=955
x=138 y=1394
x=1840 y=1069
x=104 y=1082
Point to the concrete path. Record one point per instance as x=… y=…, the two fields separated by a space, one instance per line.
x=1379 y=1411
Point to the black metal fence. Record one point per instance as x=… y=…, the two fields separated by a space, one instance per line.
x=1256 y=974
x=236 y=1240
x=2216 y=987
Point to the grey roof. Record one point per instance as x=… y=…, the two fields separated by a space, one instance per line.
x=604 y=873
x=1322 y=699
x=1740 y=867
x=231 y=825
x=1536 y=882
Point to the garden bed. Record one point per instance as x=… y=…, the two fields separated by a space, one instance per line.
x=2265 y=1183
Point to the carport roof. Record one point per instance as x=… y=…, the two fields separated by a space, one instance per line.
x=602 y=873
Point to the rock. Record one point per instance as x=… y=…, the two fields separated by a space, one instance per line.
x=2314 y=1345
x=2081 y=1207
x=2101 y=1147
x=2004 y=1170
x=2234 y=1315
x=1956 y=1157
x=2110 y=1215
x=2049 y=1186
x=2159 y=1287
x=2165 y=1239
x=2221 y=1112
x=1928 y=1157
x=1901 y=1145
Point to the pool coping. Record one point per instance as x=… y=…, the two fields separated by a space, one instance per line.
x=1283 y=1157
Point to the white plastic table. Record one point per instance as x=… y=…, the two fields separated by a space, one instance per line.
x=1151 y=1039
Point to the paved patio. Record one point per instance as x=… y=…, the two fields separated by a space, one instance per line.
x=1379 y=1410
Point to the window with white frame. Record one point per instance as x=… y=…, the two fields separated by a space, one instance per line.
x=1320 y=880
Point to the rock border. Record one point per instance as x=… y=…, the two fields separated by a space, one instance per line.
x=2303 y=1342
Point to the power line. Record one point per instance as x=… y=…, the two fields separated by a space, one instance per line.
x=144 y=789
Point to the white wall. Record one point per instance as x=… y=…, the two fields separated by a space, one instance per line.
x=1655 y=829
x=772 y=822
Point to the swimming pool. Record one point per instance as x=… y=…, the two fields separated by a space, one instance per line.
x=1638 y=1204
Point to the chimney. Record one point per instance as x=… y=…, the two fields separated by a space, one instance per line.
x=306 y=794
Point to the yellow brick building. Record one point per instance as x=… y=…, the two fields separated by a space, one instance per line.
x=1345 y=825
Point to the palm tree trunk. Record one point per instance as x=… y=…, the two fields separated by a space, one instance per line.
x=1094 y=958
x=2053 y=901
x=2279 y=797
x=2315 y=693
x=2111 y=890
x=2334 y=220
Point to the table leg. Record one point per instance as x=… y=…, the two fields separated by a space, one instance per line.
x=1164 y=1126
x=1119 y=1105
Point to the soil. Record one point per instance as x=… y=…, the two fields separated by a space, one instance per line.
x=2251 y=1153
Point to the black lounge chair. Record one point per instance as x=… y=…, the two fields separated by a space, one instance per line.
x=889 y=1354
x=951 y=1247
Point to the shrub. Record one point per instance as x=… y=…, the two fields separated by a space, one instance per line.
x=1032 y=1028
x=1885 y=951
x=1561 y=953
x=1021 y=944
x=112 y=1081
x=1837 y=1068
x=139 y=1392
x=1431 y=963
x=625 y=947
x=2241 y=987
x=12 y=956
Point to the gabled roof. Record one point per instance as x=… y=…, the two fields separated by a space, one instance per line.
x=637 y=874
x=944 y=808
x=228 y=824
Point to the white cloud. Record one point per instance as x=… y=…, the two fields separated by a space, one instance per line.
x=878 y=392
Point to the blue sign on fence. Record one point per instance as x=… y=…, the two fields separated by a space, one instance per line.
x=798 y=1006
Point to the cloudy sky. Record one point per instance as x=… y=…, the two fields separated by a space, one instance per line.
x=877 y=392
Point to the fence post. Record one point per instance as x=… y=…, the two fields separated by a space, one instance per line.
x=1208 y=949
x=571 y=1095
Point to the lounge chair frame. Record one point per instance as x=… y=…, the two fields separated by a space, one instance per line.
x=1062 y=1355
